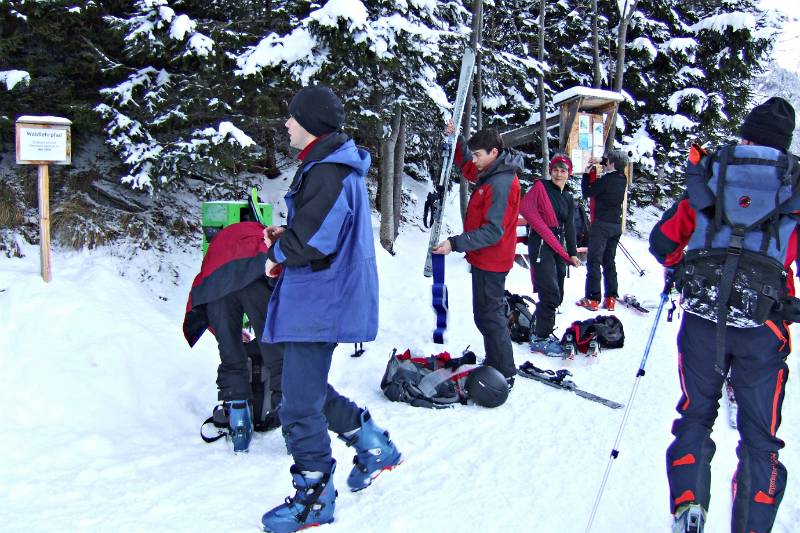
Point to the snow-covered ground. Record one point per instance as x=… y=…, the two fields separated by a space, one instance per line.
x=103 y=400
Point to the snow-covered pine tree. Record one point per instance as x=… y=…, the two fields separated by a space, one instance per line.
x=383 y=58
x=179 y=111
x=47 y=62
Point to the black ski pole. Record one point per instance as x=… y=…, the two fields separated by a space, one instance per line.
x=639 y=374
x=627 y=254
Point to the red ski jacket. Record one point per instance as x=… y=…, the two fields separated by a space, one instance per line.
x=490 y=227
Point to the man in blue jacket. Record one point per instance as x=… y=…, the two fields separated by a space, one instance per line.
x=327 y=292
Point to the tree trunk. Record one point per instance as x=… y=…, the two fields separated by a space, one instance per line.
x=466 y=124
x=622 y=39
x=399 y=165
x=595 y=48
x=387 y=183
x=542 y=103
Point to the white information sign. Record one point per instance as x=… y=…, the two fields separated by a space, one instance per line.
x=43 y=140
x=39 y=144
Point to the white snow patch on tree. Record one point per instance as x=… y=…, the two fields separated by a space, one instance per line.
x=274 y=50
x=181 y=25
x=645 y=45
x=352 y=11
x=662 y=123
x=493 y=102
x=691 y=72
x=641 y=146
x=200 y=45
x=14 y=77
x=719 y=23
x=687 y=45
x=227 y=131
x=697 y=99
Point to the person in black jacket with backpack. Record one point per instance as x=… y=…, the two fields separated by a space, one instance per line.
x=607 y=194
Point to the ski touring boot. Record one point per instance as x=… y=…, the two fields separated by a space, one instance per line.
x=689 y=518
x=240 y=421
x=594 y=348
x=375 y=452
x=549 y=346
x=609 y=303
x=569 y=346
x=312 y=504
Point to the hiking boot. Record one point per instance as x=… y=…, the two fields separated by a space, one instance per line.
x=375 y=452
x=588 y=303
x=609 y=302
x=549 y=346
x=312 y=505
x=240 y=421
x=689 y=518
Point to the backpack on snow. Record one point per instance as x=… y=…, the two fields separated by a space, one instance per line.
x=606 y=329
x=744 y=197
x=434 y=382
x=520 y=319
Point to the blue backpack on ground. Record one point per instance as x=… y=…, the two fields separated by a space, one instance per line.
x=746 y=198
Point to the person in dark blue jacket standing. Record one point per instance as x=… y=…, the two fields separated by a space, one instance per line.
x=327 y=293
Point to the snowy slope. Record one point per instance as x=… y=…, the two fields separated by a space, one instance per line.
x=103 y=401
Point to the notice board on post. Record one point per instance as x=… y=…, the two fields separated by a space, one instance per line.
x=42 y=141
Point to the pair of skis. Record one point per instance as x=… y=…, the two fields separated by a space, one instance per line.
x=557 y=379
x=434 y=205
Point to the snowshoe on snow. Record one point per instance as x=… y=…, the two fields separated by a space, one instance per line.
x=689 y=518
x=375 y=452
x=312 y=504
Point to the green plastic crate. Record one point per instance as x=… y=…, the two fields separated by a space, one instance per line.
x=220 y=214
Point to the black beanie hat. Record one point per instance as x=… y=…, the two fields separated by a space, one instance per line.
x=317 y=109
x=770 y=124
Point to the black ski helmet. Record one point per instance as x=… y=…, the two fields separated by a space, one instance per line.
x=487 y=387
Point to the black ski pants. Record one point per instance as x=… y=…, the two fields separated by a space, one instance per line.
x=756 y=359
x=550 y=272
x=225 y=317
x=602 y=252
x=489 y=312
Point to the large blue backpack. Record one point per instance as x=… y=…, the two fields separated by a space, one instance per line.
x=745 y=198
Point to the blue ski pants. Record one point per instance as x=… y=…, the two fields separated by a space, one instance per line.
x=310 y=406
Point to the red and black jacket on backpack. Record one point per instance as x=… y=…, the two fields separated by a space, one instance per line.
x=235 y=258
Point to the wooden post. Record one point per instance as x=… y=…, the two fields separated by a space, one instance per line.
x=44 y=222
x=42 y=140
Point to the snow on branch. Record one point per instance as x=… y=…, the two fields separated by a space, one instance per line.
x=663 y=123
x=645 y=45
x=697 y=99
x=720 y=23
x=14 y=77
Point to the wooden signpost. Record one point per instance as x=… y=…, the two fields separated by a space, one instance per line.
x=43 y=141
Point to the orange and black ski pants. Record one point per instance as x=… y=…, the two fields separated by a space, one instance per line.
x=756 y=359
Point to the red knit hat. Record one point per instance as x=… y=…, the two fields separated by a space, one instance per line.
x=561 y=159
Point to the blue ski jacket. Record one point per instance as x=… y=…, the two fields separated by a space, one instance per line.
x=328 y=290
